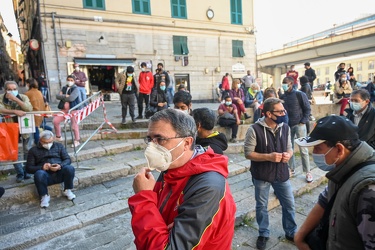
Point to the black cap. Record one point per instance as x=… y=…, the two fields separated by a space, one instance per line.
x=130 y=69
x=330 y=128
x=307 y=64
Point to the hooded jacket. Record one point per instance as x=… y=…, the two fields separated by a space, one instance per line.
x=191 y=207
x=146 y=82
x=217 y=141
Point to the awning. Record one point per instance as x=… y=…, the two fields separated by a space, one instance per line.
x=104 y=61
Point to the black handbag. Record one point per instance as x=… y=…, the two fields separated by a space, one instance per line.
x=150 y=111
x=61 y=105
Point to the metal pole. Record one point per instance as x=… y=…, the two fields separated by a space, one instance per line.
x=56 y=49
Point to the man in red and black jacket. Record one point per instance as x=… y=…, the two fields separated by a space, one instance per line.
x=146 y=83
x=190 y=206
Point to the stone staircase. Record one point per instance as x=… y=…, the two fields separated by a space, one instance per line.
x=99 y=217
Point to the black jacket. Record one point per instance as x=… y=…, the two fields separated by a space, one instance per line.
x=38 y=155
x=157 y=96
x=366 y=126
x=305 y=88
x=310 y=73
x=298 y=107
x=218 y=143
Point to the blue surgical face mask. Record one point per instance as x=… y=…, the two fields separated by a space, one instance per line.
x=356 y=106
x=279 y=119
x=285 y=86
x=320 y=161
x=13 y=92
x=228 y=103
x=130 y=74
x=162 y=87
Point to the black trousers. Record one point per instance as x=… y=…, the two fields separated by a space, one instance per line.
x=143 y=97
x=229 y=123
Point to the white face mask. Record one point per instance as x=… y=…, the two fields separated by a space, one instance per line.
x=158 y=157
x=47 y=146
x=143 y=69
x=76 y=68
x=70 y=84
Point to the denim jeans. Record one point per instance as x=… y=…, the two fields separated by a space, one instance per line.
x=284 y=193
x=170 y=94
x=82 y=91
x=43 y=179
x=299 y=131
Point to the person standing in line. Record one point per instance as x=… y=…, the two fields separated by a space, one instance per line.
x=161 y=75
x=127 y=88
x=247 y=80
x=298 y=107
x=310 y=74
x=69 y=97
x=146 y=83
x=13 y=103
x=294 y=74
x=346 y=205
x=170 y=89
x=225 y=86
x=306 y=88
x=268 y=146
x=80 y=81
x=342 y=91
x=190 y=206
x=43 y=86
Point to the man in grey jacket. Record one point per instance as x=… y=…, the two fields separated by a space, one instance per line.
x=337 y=149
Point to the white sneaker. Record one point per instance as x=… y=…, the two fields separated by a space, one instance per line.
x=309 y=177
x=59 y=139
x=44 y=202
x=75 y=144
x=69 y=194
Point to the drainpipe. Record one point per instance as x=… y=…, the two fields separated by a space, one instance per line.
x=56 y=49
x=42 y=48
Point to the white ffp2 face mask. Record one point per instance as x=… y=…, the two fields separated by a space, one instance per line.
x=158 y=157
x=47 y=146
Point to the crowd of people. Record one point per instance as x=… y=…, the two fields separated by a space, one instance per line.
x=192 y=193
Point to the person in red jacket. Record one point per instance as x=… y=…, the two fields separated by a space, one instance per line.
x=225 y=86
x=190 y=206
x=146 y=83
x=294 y=74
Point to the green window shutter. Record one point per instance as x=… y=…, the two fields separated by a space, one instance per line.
x=237 y=48
x=178 y=8
x=137 y=6
x=88 y=3
x=180 y=46
x=146 y=7
x=100 y=4
x=236 y=11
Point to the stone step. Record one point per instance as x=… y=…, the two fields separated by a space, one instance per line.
x=99 y=217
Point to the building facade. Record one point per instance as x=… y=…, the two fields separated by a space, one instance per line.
x=197 y=42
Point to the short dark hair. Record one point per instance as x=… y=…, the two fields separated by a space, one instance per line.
x=364 y=94
x=160 y=64
x=288 y=79
x=270 y=103
x=303 y=79
x=71 y=76
x=307 y=64
x=205 y=117
x=351 y=145
x=143 y=65
x=268 y=92
x=33 y=84
x=182 y=96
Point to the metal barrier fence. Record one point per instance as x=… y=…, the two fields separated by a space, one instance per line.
x=90 y=116
x=25 y=146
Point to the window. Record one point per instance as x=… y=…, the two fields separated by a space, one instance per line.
x=327 y=70
x=327 y=79
x=318 y=72
x=178 y=8
x=359 y=66
x=141 y=7
x=94 y=4
x=237 y=48
x=359 y=78
x=370 y=76
x=371 y=64
x=236 y=11
x=180 y=45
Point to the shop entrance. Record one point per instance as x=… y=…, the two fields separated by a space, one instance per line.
x=182 y=79
x=101 y=77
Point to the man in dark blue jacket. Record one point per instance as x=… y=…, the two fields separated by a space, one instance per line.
x=50 y=164
x=298 y=107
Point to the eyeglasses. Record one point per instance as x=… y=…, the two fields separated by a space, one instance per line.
x=279 y=112
x=160 y=140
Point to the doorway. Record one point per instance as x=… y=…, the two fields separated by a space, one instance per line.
x=182 y=79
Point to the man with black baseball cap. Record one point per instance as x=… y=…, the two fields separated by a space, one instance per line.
x=350 y=194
